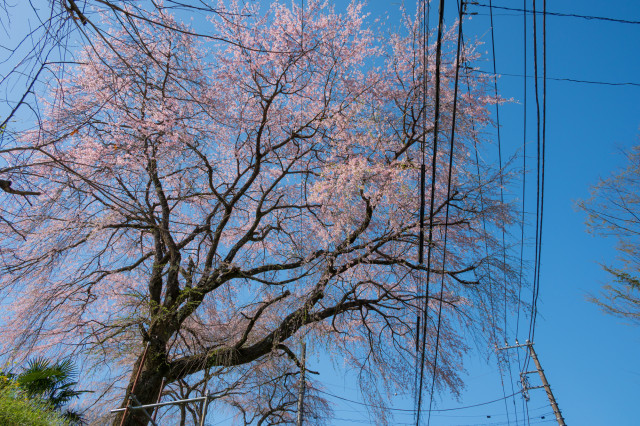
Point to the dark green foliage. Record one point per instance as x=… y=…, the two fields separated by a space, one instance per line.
x=16 y=409
x=48 y=384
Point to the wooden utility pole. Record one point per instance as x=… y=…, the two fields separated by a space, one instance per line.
x=301 y=386
x=543 y=378
x=545 y=383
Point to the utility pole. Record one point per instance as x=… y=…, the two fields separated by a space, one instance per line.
x=301 y=386
x=543 y=378
x=547 y=388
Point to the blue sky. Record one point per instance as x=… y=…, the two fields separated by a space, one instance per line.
x=590 y=359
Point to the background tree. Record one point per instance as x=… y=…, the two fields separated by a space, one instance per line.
x=203 y=205
x=53 y=383
x=48 y=385
x=614 y=211
x=17 y=410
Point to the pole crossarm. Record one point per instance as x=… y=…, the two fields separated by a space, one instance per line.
x=517 y=345
x=543 y=378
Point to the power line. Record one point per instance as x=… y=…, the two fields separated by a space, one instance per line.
x=492 y=317
x=541 y=127
x=536 y=262
x=411 y=410
x=433 y=182
x=368 y=421
x=525 y=407
x=543 y=420
x=420 y=349
x=496 y=418
x=541 y=410
x=504 y=249
x=467 y=74
x=544 y=144
x=525 y=402
x=446 y=221
x=572 y=80
x=565 y=15
x=484 y=226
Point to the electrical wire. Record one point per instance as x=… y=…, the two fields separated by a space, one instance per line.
x=433 y=181
x=537 y=235
x=538 y=221
x=525 y=407
x=504 y=249
x=566 y=15
x=484 y=226
x=352 y=411
x=446 y=222
x=420 y=349
x=504 y=423
x=540 y=172
x=571 y=80
x=410 y=410
x=544 y=144
x=525 y=402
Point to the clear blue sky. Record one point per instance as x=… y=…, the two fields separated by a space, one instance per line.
x=590 y=359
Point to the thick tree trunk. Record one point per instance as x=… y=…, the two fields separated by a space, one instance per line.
x=147 y=387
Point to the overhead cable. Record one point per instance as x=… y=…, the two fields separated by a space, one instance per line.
x=410 y=410
x=572 y=80
x=504 y=249
x=566 y=15
x=436 y=126
x=424 y=286
x=446 y=221
x=525 y=402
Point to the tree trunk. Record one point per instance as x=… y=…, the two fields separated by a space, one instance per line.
x=147 y=387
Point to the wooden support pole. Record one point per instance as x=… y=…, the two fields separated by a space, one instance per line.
x=135 y=382
x=301 y=386
x=546 y=386
x=205 y=405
